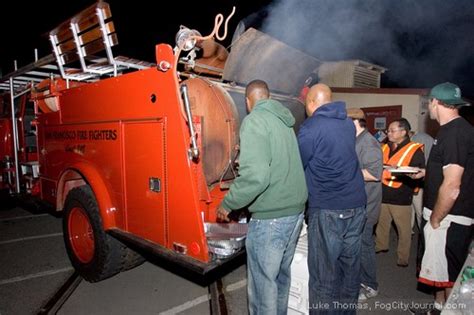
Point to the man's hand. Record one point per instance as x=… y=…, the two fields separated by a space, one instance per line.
x=434 y=224
x=418 y=175
x=222 y=214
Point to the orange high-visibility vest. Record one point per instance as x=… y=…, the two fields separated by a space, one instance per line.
x=401 y=158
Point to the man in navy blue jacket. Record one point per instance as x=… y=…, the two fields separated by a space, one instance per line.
x=336 y=204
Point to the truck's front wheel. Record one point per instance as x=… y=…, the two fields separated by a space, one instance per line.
x=93 y=253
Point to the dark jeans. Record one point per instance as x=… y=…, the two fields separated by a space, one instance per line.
x=368 y=266
x=270 y=247
x=334 y=250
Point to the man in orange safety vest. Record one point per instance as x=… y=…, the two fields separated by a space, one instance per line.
x=397 y=188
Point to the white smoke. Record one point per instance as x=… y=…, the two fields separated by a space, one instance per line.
x=422 y=42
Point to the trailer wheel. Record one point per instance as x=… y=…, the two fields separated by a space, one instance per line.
x=93 y=253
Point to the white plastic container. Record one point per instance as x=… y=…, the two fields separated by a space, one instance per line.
x=298 y=302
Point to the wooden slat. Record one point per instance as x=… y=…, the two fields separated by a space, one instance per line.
x=86 y=19
x=66 y=47
x=96 y=33
x=104 y=6
x=106 y=10
x=63 y=33
x=69 y=57
x=87 y=37
x=68 y=50
x=97 y=45
x=113 y=39
x=88 y=23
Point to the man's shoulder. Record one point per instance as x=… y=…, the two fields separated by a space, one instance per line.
x=312 y=123
x=369 y=139
x=418 y=145
x=255 y=114
x=464 y=126
x=459 y=129
x=318 y=120
x=422 y=137
x=273 y=102
x=251 y=119
x=258 y=118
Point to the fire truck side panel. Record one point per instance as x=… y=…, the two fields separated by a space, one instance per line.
x=91 y=150
x=185 y=218
x=109 y=207
x=126 y=131
x=144 y=204
x=137 y=95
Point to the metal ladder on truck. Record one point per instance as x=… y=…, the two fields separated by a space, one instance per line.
x=75 y=44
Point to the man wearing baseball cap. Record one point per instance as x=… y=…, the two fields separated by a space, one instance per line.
x=448 y=212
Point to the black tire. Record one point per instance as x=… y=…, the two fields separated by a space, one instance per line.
x=105 y=258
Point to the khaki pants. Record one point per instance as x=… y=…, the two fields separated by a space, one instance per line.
x=417 y=205
x=401 y=215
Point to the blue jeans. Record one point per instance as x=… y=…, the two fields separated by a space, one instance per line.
x=334 y=249
x=270 y=247
x=368 y=267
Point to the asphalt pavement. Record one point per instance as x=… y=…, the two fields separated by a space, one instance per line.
x=34 y=265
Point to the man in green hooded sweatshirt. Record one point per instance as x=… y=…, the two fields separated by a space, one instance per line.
x=271 y=183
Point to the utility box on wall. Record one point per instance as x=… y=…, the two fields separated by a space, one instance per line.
x=351 y=74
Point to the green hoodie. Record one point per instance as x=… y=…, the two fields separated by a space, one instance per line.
x=271 y=179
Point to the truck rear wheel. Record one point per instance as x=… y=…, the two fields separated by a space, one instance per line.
x=93 y=253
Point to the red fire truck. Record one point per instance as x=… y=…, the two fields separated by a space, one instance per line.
x=135 y=154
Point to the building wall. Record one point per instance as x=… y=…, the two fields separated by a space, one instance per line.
x=414 y=105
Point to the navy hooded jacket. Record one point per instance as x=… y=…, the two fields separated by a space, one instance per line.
x=327 y=146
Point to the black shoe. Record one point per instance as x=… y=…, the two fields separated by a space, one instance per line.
x=381 y=251
x=402 y=265
x=422 y=311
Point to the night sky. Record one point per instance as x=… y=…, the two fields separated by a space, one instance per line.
x=140 y=24
x=422 y=42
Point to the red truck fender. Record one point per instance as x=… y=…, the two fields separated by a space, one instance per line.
x=80 y=174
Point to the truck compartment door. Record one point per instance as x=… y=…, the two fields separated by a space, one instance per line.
x=144 y=180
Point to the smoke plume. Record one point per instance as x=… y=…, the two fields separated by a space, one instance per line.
x=422 y=42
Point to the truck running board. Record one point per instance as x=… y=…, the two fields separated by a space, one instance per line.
x=188 y=263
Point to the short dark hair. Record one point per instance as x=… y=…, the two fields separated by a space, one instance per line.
x=404 y=124
x=257 y=85
x=447 y=105
x=362 y=122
